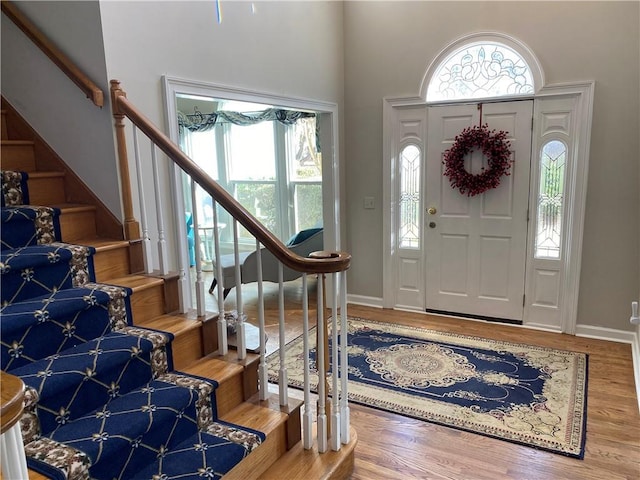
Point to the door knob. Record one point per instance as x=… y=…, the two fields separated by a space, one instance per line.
x=431 y=210
x=432 y=224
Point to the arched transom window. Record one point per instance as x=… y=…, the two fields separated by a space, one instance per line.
x=481 y=69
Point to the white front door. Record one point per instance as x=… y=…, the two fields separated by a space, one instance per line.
x=476 y=247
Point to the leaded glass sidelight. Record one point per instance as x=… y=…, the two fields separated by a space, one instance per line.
x=481 y=70
x=410 y=162
x=553 y=160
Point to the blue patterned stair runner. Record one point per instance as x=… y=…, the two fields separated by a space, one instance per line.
x=101 y=398
x=45 y=325
x=14 y=188
x=27 y=225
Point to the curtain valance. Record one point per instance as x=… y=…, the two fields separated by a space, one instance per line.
x=201 y=122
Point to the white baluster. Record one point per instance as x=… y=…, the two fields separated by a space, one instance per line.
x=146 y=242
x=223 y=344
x=263 y=375
x=162 y=243
x=335 y=367
x=240 y=336
x=283 y=375
x=307 y=418
x=320 y=363
x=199 y=284
x=12 y=456
x=344 y=360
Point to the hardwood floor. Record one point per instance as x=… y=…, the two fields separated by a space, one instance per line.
x=395 y=447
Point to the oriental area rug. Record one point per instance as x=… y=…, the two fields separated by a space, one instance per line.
x=534 y=396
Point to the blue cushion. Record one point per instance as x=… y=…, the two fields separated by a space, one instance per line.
x=302 y=235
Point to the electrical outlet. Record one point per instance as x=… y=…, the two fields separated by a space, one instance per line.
x=369 y=203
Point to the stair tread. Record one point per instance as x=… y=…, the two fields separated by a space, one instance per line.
x=74 y=207
x=175 y=324
x=214 y=368
x=136 y=282
x=46 y=174
x=16 y=142
x=256 y=416
x=102 y=244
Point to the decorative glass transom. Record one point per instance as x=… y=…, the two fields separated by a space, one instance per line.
x=410 y=162
x=553 y=160
x=481 y=70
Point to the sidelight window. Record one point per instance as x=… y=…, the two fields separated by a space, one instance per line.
x=410 y=163
x=553 y=160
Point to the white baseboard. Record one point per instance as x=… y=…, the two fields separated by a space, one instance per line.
x=621 y=336
x=375 y=302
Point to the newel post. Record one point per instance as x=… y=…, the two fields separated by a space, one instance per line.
x=131 y=225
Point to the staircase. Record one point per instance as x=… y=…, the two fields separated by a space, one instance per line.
x=118 y=384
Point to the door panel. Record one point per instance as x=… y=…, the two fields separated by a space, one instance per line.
x=476 y=246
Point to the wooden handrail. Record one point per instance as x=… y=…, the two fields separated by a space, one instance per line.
x=12 y=394
x=63 y=62
x=320 y=262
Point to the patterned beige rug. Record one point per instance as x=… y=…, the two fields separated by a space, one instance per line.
x=531 y=395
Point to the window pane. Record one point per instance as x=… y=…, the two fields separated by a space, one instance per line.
x=550 y=198
x=308 y=205
x=306 y=161
x=203 y=151
x=252 y=153
x=410 y=160
x=260 y=199
x=481 y=70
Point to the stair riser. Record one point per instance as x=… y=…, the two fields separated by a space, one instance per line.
x=77 y=225
x=147 y=303
x=263 y=457
x=19 y=157
x=46 y=190
x=229 y=394
x=3 y=131
x=112 y=263
x=187 y=348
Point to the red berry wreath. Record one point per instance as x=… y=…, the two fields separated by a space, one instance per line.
x=493 y=146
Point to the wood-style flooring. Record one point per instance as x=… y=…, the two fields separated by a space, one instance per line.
x=395 y=447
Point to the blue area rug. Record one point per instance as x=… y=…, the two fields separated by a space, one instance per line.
x=534 y=396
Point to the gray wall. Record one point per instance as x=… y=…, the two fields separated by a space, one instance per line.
x=388 y=47
x=80 y=132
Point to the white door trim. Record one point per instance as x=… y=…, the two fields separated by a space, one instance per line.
x=576 y=186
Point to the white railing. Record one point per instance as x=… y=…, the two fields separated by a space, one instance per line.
x=332 y=417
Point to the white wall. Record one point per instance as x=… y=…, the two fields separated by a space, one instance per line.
x=80 y=132
x=388 y=47
x=284 y=48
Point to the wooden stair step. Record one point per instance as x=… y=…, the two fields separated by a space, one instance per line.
x=230 y=391
x=301 y=464
x=147 y=300
x=3 y=131
x=18 y=155
x=77 y=221
x=111 y=259
x=187 y=331
x=46 y=188
x=273 y=423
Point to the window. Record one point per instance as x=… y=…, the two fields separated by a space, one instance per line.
x=273 y=169
x=550 y=199
x=480 y=70
x=410 y=162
